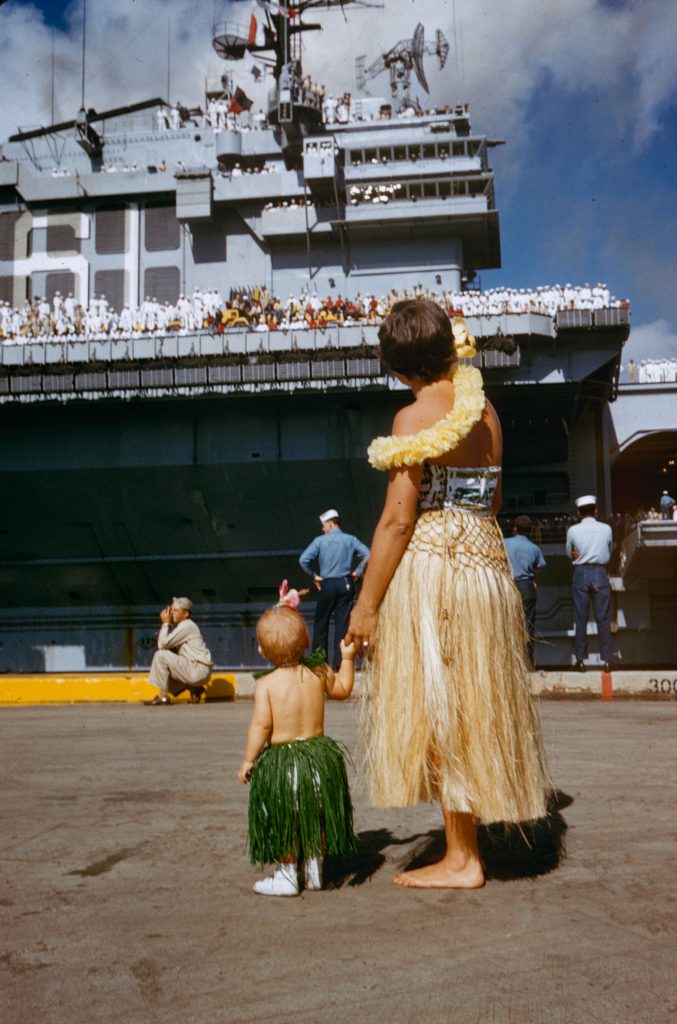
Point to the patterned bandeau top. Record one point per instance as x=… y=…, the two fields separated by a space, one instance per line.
x=470 y=488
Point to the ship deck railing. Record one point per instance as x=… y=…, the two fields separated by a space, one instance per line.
x=613 y=316
x=250 y=341
x=247 y=341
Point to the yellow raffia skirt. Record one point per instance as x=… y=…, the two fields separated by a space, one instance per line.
x=447 y=711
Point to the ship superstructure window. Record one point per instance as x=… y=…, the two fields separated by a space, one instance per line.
x=162 y=283
x=7 y=230
x=110 y=230
x=163 y=231
x=7 y=289
x=111 y=283
x=63 y=282
x=413 y=152
x=440 y=188
x=61 y=238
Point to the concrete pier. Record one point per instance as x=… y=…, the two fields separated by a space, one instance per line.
x=126 y=892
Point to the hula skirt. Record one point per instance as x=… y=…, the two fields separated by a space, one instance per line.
x=299 y=802
x=448 y=712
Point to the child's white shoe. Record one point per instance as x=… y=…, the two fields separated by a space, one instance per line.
x=284 y=882
x=313 y=873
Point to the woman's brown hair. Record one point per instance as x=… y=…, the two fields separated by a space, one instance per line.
x=416 y=339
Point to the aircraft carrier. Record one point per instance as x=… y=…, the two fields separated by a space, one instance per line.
x=144 y=457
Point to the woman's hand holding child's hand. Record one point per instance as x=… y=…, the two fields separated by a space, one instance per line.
x=361 y=629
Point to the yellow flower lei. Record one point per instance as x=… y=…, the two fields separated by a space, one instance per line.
x=413 y=449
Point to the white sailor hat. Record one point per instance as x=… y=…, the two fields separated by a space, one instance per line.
x=585 y=500
x=182 y=602
x=331 y=513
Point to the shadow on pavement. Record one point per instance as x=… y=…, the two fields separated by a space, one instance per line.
x=508 y=851
x=369 y=858
x=527 y=851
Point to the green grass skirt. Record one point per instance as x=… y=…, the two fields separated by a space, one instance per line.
x=299 y=802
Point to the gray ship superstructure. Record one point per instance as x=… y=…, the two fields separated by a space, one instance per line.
x=165 y=210
x=194 y=457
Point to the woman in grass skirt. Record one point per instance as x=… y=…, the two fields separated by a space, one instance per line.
x=448 y=710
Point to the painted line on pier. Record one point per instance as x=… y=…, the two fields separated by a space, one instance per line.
x=133 y=687
x=99 y=687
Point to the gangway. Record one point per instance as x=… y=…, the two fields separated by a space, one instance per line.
x=650 y=550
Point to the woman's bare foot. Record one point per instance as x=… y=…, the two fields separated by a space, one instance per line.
x=443 y=875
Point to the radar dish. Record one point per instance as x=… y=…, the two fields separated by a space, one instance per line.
x=441 y=48
x=230 y=40
x=406 y=55
x=417 y=51
x=418 y=41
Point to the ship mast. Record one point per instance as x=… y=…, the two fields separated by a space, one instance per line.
x=294 y=108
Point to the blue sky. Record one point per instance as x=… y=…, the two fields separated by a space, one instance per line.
x=583 y=91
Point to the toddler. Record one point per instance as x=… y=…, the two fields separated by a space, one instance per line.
x=299 y=800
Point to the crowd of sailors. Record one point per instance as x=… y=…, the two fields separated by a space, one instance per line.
x=221 y=115
x=291 y=204
x=258 y=309
x=551 y=528
x=652 y=371
x=218 y=115
x=545 y=529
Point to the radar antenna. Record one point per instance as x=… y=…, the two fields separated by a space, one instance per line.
x=283 y=20
x=405 y=56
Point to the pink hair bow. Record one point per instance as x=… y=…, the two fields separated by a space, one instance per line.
x=290 y=598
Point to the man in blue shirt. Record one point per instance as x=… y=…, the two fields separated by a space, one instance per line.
x=526 y=558
x=589 y=545
x=334 y=560
x=667 y=504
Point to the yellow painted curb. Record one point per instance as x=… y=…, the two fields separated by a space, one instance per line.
x=76 y=687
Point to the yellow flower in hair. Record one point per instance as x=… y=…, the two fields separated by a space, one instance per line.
x=464 y=343
x=445 y=435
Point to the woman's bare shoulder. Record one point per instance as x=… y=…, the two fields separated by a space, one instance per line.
x=490 y=418
x=423 y=413
x=407 y=420
x=489 y=438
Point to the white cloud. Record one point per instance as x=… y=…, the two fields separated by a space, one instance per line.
x=126 y=57
x=656 y=340
x=504 y=51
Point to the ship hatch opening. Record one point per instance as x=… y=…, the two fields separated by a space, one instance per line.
x=643 y=471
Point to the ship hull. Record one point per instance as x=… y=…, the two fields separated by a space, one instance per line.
x=115 y=507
